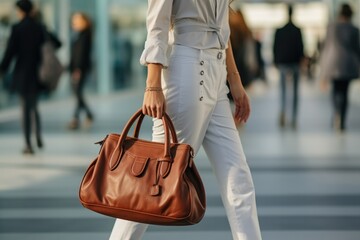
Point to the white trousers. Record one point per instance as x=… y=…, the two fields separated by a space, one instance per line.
x=196 y=96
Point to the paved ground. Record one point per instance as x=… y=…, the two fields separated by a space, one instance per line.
x=307 y=181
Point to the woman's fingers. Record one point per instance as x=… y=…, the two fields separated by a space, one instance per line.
x=153 y=111
x=238 y=113
x=144 y=110
x=242 y=110
x=244 y=113
x=159 y=111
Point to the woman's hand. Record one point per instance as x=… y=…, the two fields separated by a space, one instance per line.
x=154 y=100
x=154 y=104
x=241 y=100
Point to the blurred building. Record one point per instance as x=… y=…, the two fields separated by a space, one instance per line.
x=120 y=32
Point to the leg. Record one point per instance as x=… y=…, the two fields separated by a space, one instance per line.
x=336 y=99
x=126 y=230
x=183 y=106
x=77 y=91
x=209 y=121
x=37 y=122
x=78 y=87
x=26 y=118
x=295 y=95
x=81 y=99
x=74 y=124
x=282 y=117
x=343 y=104
x=82 y=103
x=223 y=147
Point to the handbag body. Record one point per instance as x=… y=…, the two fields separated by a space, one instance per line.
x=144 y=181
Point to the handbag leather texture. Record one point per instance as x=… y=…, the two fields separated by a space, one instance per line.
x=144 y=181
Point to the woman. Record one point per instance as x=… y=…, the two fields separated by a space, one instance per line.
x=190 y=85
x=340 y=62
x=80 y=65
x=24 y=46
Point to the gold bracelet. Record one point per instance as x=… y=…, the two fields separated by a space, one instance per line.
x=153 y=89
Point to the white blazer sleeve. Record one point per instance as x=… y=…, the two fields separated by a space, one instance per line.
x=158 y=26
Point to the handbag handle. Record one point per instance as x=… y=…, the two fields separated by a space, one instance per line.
x=118 y=151
x=169 y=122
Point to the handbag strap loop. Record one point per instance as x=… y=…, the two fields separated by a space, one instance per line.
x=118 y=151
x=169 y=122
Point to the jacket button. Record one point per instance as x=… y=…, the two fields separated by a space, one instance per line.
x=201 y=82
x=201 y=98
x=202 y=63
x=202 y=73
x=219 y=56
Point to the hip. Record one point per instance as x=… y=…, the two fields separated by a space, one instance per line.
x=195 y=77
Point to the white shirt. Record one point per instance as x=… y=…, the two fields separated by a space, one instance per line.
x=200 y=24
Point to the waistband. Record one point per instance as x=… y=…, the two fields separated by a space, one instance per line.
x=189 y=26
x=210 y=54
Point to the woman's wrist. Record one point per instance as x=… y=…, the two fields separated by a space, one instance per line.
x=154 y=75
x=153 y=89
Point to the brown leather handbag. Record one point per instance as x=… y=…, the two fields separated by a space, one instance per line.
x=144 y=181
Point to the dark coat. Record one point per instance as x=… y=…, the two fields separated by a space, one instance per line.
x=81 y=52
x=288 y=45
x=24 y=46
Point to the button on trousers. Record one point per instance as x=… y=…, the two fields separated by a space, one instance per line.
x=195 y=89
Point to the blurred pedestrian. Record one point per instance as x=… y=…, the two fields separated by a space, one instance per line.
x=244 y=48
x=288 y=53
x=340 y=62
x=24 y=46
x=80 y=66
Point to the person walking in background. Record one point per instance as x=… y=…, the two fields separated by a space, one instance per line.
x=190 y=85
x=80 y=65
x=244 y=48
x=24 y=46
x=340 y=62
x=288 y=53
